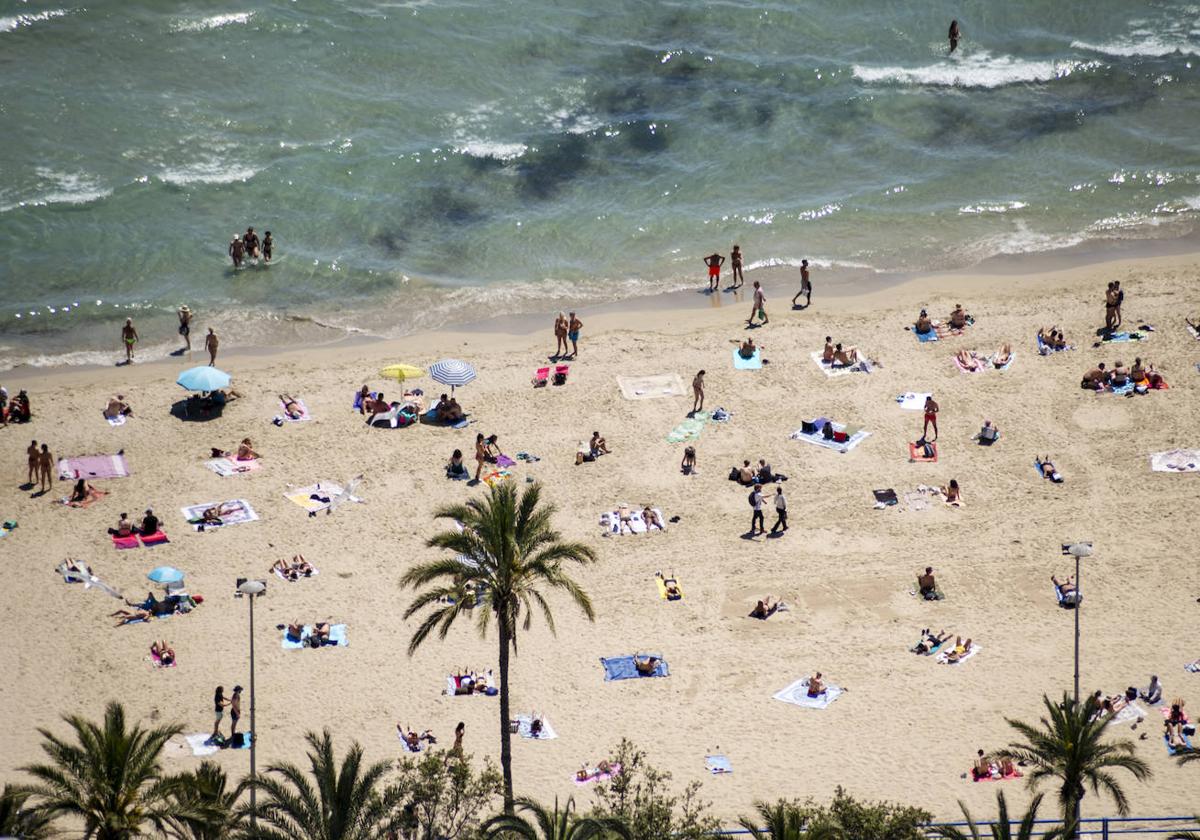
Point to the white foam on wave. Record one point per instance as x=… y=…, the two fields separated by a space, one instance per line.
x=211 y=171
x=993 y=207
x=980 y=70
x=1151 y=46
x=211 y=22
x=11 y=24
x=486 y=149
x=62 y=188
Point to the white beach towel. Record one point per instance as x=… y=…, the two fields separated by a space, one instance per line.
x=283 y=577
x=836 y=370
x=610 y=521
x=238 y=511
x=1176 y=460
x=943 y=657
x=200 y=745
x=525 y=728
x=119 y=420
x=1130 y=713
x=304 y=415
x=325 y=492
x=817 y=439
x=651 y=387
x=226 y=467
x=913 y=400
x=797 y=695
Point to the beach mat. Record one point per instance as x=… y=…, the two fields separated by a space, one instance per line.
x=241 y=512
x=304 y=415
x=337 y=638
x=916 y=454
x=157 y=538
x=597 y=776
x=943 y=659
x=718 y=764
x=226 y=467
x=93 y=466
x=980 y=364
x=623 y=668
x=1176 y=461
x=525 y=728
x=315 y=497
x=913 y=400
x=125 y=543
x=932 y=335
x=651 y=387
x=119 y=420
x=1122 y=337
x=832 y=370
x=753 y=363
x=662 y=587
x=817 y=439
x=690 y=429
x=201 y=744
x=797 y=695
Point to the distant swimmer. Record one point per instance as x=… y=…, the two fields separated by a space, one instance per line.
x=237 y=250
x=129 y=337
x=250 y=241
x=954 y=35
x=735 y=260
x=267 y=244
x=714 y=263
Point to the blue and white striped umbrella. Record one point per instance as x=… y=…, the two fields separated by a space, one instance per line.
x=452 y=372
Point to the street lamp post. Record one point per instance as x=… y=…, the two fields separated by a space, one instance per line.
x=253 y=589
x=1077 y=550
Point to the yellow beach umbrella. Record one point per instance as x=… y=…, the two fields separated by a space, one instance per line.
x=402 y=372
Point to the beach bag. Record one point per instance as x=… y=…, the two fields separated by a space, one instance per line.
x=808 y=428
x=827 y=431
x=840 y=437
x=929 y=450
x=734 y=475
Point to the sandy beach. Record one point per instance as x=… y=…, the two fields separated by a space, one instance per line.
x=907 y=727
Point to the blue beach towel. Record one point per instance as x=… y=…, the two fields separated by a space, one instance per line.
x=1127 y=388
x=623 y=668
x=1172 y=750
x=753 y=363
x=718 y=764
x=924 y=337
x=1117 y=338
x=337 y=638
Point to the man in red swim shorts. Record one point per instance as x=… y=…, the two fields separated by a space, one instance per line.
x=714 y=263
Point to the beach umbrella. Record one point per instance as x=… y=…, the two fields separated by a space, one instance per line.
x=401 y=372
x=452 y=372
x=204 y=379
x=165 y=574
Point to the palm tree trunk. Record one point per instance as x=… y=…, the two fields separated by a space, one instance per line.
x=505 y=734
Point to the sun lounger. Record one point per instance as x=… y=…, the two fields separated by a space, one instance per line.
x=718 y=764
x=239 y=511
x=623 y=668
x=944 y=657
x=650 y=387
x=226 y=467
x=540 y=377
x=797 y=695
x=740 y=362
x=337 y=638
x=916 y=454
x=93 y=466
x=853 y=437
x=913 y=400
x=127 y=542
x=525 y=728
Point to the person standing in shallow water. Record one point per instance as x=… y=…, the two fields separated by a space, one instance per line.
x=735 y=261
x=129 y=337
x=210 y=344
x=805 y=286
x=954 y=34
x=714 y=262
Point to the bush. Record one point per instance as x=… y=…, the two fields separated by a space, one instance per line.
x=866 y=820
x=444 y=798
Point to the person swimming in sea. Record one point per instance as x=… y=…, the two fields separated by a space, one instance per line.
x=954 y=35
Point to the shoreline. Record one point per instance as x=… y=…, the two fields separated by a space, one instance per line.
x=862 y=292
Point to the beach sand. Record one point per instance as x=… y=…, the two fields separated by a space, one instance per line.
x=906 y=729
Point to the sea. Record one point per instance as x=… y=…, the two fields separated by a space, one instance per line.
x=422 y=163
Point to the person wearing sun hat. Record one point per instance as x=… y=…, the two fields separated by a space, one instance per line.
x=185 y=326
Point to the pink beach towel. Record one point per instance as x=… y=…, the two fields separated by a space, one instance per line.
x=93 y=466
x=130 y=541
x=597 y=776
x=157 y=538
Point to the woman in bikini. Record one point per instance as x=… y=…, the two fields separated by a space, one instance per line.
x=1002 y=357
x=164 y=652
x=480 y=454
x=735 y=261
x=961 y=649
x=246 y=452
x=1119 y=376
x=290 y=407
x=952 y=493
x=560 y=335
x=84 y=495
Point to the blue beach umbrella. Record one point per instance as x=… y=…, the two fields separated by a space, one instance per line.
x=204 y=379
x=452 y=372
x=165 y=574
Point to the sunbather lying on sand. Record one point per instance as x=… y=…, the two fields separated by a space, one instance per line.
x=1048 y=469
x=245 y=452
x=290 y=407
x=412 y=739
x=992 y=768
x=84 y=495
x=583 y=774
x=969 y=360
x=652 y=519
x=1002 y=356
x=765 y=608
x=212 y=515
x=671 y=587
x=130 y=616
x=298 y=568
x=930 y=642
x=1066 y=588
x=646 y=665
x=117 y=407
x=164 y=653
x=961 y=649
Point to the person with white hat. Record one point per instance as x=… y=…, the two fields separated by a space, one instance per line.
x=185 y=326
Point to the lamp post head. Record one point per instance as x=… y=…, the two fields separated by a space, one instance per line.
x=251 y=587
x=1079 y=550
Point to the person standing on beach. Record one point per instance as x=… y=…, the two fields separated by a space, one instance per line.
x=219 y=704
x=759 y=307
x=756 y=521
x=129 y=337
x=697 y=393
x=210 y=344
x=560 y=336
x=459 y=731
x=1110 y=307
x=714 y=262
x=780 y=511
x=954 y=35
x=573 y=328
x=237 y=251
x=32 y=452
x=185 y=326
x=1120 y=300
x=235 y=711
x=931 y=413
x=805 y=286
x=45 y=469
x=267 y=245
x=735 y=261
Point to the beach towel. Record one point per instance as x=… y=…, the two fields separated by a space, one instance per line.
x=1193 y=667
x=226 y=467
x=337 y=638
x=1176 y=460
x=818 y=439
x=943 y=657
x=597 y=776
x=130 y=541
x=718 y=764
x=505 y=461
x=202 y=744
x=1037 y=465
x=525 y=730
x=1120 y=390
x=1130 y=713
x=157 y=538
x=496 y=477
x=1045 y=349
x=916 y=500
x=304 y=415
x=316 y=497
x=1192 y=330
x=404 y=743
x=1177 y=750
x=981 y=364
x=662 y=587
x=689 y=430
x=932 y=335
x=742 y=363
x=611 y=521
x=236 y=512
x=156 y=660
x=1067 y=601
x=651 y=387
x=885 y=498
x=283 y=577
x=797 y=695
x=1121 y=337
x=1012 y=357
x=623 y=668
x=490 y=690
x=1015 y=774
x=916 y=453
x=913 y=400
x=119 y=420
x=830 y=369
x=93 y=466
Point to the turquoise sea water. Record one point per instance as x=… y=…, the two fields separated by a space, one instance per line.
x=427 y=161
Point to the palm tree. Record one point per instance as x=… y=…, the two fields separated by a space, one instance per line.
x=1002 y=828
x=211 y=807
x=18 y=820
x=110 y=780
x=1069 y=748
x=343 y=803
x=785 y=821
x=1185 y=835
x=505 y=550
x=546 y=824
